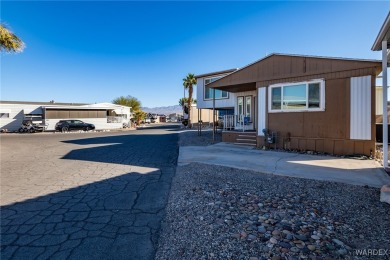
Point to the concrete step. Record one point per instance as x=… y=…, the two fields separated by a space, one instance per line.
x=247 y=136
x=247 y=144
x=246 y=140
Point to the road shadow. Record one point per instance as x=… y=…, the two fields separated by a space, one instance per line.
x=117 y=218
x=145 y=150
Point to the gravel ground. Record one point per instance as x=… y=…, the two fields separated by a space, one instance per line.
x=218 y=212
x=191 y=138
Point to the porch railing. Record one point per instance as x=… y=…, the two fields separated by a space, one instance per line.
x=114 y=119
x=231 y=122
x=228 y=122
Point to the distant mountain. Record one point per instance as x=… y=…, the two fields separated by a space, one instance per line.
x=164 y=110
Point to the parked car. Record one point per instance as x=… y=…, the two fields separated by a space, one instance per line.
x=29 y=126
x=68 y=125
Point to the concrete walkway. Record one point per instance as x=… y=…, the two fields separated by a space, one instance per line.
x=327 y=168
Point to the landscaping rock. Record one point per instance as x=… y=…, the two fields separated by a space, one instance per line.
x=307 y=219
x=385 y=194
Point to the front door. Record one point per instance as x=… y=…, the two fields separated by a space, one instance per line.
x=245 y=109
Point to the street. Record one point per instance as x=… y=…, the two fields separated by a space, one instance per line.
x=85 y=195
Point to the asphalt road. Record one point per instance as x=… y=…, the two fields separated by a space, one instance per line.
x=85 y=195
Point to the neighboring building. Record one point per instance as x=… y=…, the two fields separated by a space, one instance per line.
x=175 y=117
x=103 y=115
x=311 y=103
x=204 y=115
x=161 y=118
x=224 y=101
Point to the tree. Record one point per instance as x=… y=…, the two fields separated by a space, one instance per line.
x=9 y=42
x=188 y=83
x=139 y=116
x=135 y=105
x=183 y=101
x=129 y=101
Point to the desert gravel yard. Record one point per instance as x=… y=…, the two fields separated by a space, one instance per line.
x=217 y=212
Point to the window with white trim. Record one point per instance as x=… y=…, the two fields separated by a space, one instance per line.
x=300 y=96
x=208 y=92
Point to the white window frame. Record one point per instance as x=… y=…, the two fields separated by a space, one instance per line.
x=306 y=109
x=204 y=88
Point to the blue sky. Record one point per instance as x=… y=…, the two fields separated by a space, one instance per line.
x=94 y=51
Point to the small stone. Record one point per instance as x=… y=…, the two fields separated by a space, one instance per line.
x=260 y=205
x=301 y=237
x=285 y=250
x=289 y=237
x=315 y=237
x=311 y=247
x=229 y=222
x=342 y=251
x=276 y=232
x=294 y=249
x=330 y=246
x=251 y=237
x=243 y=234
x=385 y=194
x=338 y=242
x=253 y=258
x=361 y=236
x=261 y=229
x=276 y=257
x=273 y=240
x=285 y=245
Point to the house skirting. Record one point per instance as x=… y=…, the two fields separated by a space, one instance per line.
x=229 y=137
x=329 y=146
x=232 y=136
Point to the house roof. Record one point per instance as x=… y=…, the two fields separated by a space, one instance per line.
x=76 y=108
x=107 y=105
x=215 y=73
x=41 y=103
x=383 y=35
x=278 y=68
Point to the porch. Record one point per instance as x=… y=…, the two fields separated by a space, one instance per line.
x=239 y=129
x=238 y=123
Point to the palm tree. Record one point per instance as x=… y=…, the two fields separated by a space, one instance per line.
x=183 y=101
x=139 y=116
x=188 y=83
x=9 y=42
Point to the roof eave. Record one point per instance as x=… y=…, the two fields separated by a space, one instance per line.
x=215 y=73
x=377 y=46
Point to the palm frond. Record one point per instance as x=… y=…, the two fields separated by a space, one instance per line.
x=9 y=42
